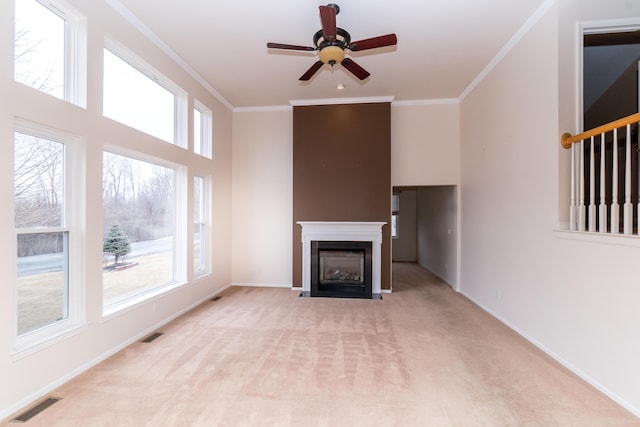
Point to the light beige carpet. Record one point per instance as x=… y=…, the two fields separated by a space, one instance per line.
x=423 y=356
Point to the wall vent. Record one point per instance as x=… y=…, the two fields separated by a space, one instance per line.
x=152 y=337
x=35 y=410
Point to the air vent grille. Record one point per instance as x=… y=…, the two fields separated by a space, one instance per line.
x=152 y=337
x=35 y=410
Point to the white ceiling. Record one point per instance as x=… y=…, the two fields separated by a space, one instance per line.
x=442 y=45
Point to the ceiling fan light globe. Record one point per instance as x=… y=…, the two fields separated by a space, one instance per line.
x=331 y=55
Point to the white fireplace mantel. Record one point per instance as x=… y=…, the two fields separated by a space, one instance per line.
x=342 y=231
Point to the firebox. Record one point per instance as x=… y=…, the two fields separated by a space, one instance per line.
x=341 y=269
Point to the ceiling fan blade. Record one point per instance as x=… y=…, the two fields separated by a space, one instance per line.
x=328 y=18
x=357 y=70
x=289 y=47
x=374 y=42
x=311 y=71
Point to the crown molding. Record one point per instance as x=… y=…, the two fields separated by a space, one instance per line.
x=333 y=101
x=513 y=41
x=419 y=102
x=262 y=109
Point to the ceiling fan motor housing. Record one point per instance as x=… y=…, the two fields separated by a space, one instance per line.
x=332 y=51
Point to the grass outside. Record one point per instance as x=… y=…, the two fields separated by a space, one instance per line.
x=41 y=296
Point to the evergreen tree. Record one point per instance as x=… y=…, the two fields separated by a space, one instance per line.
x=116 y=243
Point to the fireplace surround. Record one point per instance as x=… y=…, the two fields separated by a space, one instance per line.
x=347 y=240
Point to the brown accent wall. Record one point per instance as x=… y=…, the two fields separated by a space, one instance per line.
x=342 y=171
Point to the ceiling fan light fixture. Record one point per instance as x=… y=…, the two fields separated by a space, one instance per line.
x=331 y=55
x=331 y=42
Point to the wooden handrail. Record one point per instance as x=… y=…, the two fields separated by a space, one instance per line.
x=567 y=140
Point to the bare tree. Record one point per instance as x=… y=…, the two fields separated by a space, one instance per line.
x=38 y=181
x=29 y=67
x=140 y=199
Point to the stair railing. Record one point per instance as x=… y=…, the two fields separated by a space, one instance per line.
x=617 y=174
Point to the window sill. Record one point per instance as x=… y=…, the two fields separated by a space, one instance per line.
x=34 y=342
x=121 y=307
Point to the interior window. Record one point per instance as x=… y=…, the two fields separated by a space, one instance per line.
x=42 y=283
x=202 y=129
x=139 y=100
x=49 y=49
x=139 y=233
x=39 y=48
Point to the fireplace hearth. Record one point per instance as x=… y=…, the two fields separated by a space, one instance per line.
x=341 y=269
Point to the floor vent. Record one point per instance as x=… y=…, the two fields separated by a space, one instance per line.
x=30 y=413
x=216 y=298
x=152 y=337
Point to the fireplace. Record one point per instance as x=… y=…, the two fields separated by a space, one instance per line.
x=341 y=269
x=350 y=254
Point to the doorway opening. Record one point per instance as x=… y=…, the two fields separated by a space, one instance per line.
x=426 y=229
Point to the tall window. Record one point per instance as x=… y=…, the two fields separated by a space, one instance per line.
x=202 y=130
x=139 y=200
x=395 y=213
x=42 y=232
x=199 y=224
x=137 y=96
x=47 y=49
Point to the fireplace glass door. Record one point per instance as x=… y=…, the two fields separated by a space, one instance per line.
x=345 y=267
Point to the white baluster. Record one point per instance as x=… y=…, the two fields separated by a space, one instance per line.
x=602 y=218
x=628 y=207
x=638 y=207
x=581 y=207
x=615 y=207
x=592 y=186
x=572 y=207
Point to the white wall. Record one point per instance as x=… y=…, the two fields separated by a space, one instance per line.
x=262 y=198
x=25 y=379
x=575 y=299
x=437 y=231
x=425 y=144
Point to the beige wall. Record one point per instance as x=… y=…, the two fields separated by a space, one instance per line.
x=27 y=378
x=575 y=297
x=437 y=231
x=425 y=144
x=262 y=197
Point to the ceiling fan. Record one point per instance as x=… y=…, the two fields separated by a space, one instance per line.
x=331 y=43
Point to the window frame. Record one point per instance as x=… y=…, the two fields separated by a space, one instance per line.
x=75 y=51
x=72 y=217
x=122 y=305
x=205 y=142
x=180 y=114
x=205 y=224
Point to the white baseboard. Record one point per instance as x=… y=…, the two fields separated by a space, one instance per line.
x=586 y=377
x=439 y=276
x=39 y=394
x=263 y=285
